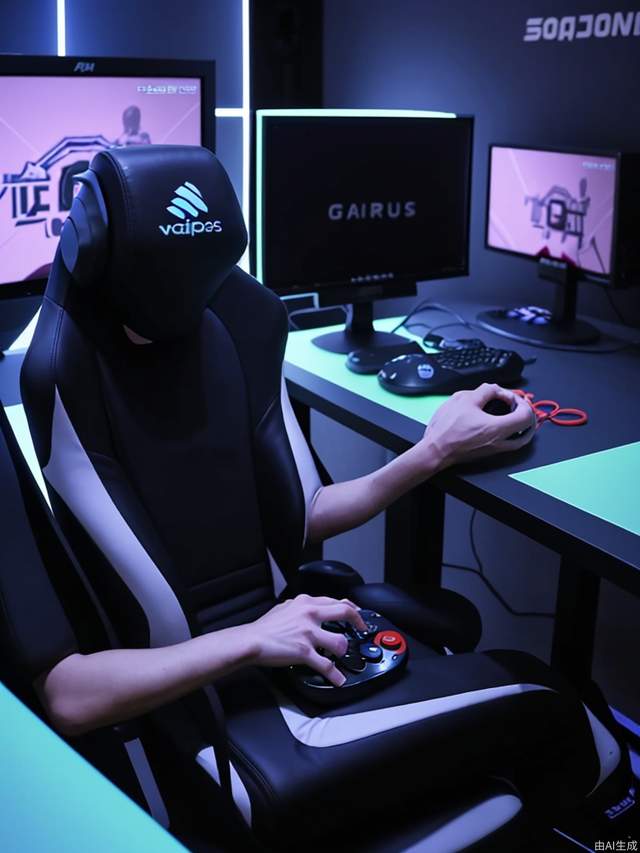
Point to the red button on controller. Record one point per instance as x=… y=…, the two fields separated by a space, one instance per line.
x=391 y=640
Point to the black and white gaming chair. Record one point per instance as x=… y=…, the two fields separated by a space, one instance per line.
x=182 y=480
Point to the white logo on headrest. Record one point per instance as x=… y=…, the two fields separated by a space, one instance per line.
x=188 y=201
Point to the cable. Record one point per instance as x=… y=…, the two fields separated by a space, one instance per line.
x=433 y=306
x=614 y=307
x=468 y=324
x=534 y=614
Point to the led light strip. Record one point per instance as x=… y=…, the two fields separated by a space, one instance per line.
x=62 y=28
x=246 y=126
x=229 y=112
x=315 y=113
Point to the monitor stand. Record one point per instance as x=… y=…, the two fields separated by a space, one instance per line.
x=358 y=332
x=535 y=325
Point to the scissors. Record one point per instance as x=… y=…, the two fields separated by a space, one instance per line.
x=549 y=410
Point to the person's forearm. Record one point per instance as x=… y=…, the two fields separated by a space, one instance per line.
x=342 y=506
x=84 y=692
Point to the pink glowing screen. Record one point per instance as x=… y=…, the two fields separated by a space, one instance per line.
x=50 y=128
x=553 y=204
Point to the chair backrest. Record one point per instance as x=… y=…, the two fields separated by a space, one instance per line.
x=175 y=467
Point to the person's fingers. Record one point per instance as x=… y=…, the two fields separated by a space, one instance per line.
x=316 y=600
x=334 y=644
x=486 y=392
x=350 y=603
x=325 y=667
x=521 y=418
x=505 y=445
x=340 y=612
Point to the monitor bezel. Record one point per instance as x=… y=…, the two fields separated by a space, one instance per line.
x=337 y=292
x=21 y=65
x=585 y=275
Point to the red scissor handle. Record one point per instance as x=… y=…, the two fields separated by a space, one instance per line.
x=549 y=410
x=579 y=417
x=545 y=409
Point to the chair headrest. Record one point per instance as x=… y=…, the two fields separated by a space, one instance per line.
x=157 y=228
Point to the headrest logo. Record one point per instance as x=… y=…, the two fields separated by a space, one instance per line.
x=187 y=201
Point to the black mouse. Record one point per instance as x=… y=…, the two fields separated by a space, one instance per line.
x=500 y=407
x=416 y=374
x=497 y=407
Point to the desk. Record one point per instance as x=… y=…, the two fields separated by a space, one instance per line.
x=589 y=547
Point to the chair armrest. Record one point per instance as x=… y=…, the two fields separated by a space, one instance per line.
x=445 y=618
x=325 y=577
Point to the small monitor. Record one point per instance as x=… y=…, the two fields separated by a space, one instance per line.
x=359 y=205
x=56 y=113
x=572 y=213
x=553 y=204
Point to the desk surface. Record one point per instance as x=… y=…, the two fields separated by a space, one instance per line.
x=602 y=384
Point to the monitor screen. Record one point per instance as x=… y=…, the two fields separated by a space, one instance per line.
x=553 y=204
x=357 y=200
x=51 y=127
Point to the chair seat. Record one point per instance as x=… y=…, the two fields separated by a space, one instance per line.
x=430 y=731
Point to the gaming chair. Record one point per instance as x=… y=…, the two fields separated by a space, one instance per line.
x=179 y=475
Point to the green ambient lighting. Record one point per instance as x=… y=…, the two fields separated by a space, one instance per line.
x=313 y=113
x=52 y=799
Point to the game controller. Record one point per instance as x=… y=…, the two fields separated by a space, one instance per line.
x=373 y=658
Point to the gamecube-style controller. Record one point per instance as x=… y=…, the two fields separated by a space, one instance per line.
x=373 y=658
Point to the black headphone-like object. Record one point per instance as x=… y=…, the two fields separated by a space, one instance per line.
x=83 y=241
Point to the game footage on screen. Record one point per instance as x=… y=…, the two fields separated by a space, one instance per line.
x=553 y=204
x=50 y=129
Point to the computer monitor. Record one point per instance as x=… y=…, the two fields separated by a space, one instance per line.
x=569 y=211
x=55 y=114
x=360 y=205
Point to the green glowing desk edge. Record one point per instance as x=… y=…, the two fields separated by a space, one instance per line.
x=53 y=800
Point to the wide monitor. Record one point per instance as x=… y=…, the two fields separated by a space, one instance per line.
x=568 y=211
x=56 y=113
x=359 y=205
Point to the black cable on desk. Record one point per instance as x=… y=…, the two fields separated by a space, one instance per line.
x=614 y=307
x=427 y=305
x=534 y=614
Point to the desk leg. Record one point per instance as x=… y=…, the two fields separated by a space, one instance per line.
x=414 y=537
x=575 y=624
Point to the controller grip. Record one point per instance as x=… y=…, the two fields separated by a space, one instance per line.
x=326 y=577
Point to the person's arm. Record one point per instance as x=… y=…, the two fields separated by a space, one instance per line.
x=458 y=432
x=84 y=692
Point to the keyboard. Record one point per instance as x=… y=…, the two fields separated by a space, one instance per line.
x=450 y=371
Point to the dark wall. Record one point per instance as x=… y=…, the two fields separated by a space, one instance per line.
x=28 y=26
x=471 y=58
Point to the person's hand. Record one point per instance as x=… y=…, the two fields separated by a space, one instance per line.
x=461 y=431
x=291 y=633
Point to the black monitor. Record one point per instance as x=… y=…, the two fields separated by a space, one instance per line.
x=575 y=214
x=360 y=205
x=55 y=114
